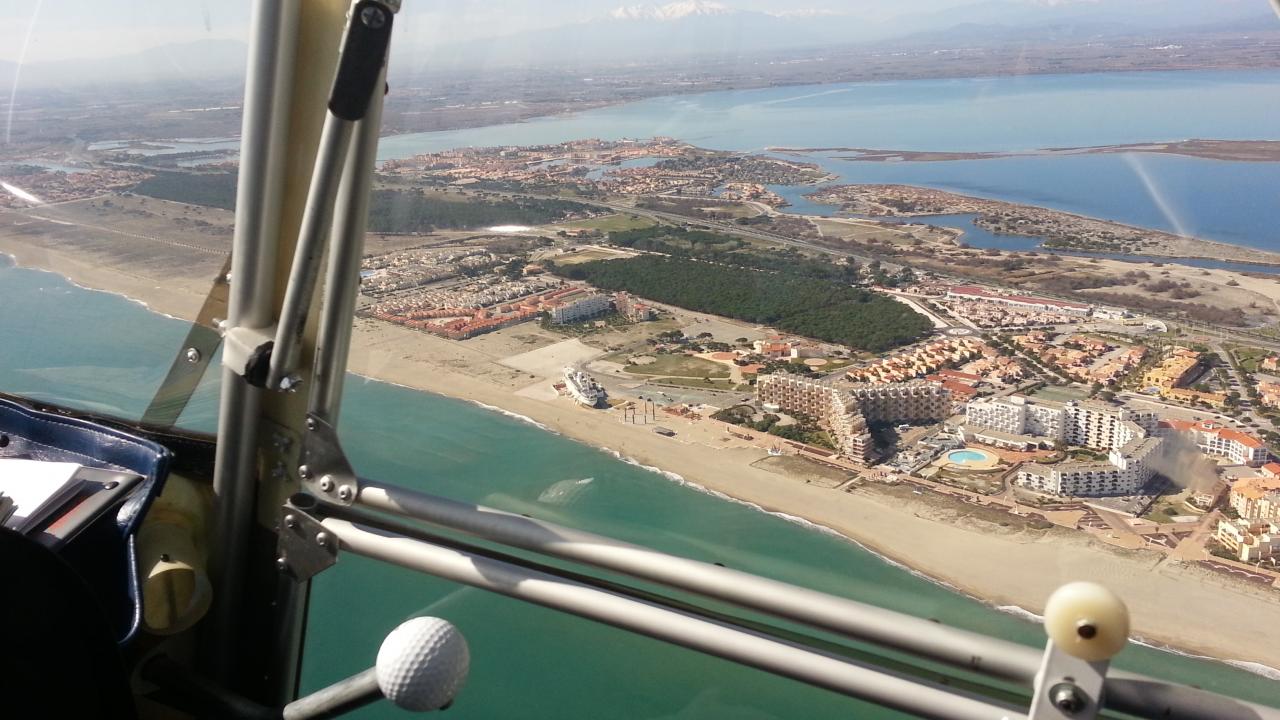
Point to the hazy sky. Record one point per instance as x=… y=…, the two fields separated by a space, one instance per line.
x=71 y=29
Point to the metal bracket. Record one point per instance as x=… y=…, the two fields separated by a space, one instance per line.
x=247 y=353
x=304 y=548
x=1067 y=688
x=324 y=468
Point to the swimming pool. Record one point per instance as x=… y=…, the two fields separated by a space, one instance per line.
x=966 y=457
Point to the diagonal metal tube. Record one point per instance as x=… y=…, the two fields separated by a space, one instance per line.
x=917 y=636
x=1127 y=692
x=738 y=645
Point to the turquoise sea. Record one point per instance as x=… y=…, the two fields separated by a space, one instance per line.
x=105 y=352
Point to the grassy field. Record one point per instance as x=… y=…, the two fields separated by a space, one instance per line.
x=589 y=255
x=682 y=366
x=1056 y=393
x=705 y=383
x=1249 y=357
x=611 y=223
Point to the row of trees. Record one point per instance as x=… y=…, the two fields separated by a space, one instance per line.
x=729 y=250
x=407 y=211
x=217 y=190
x=805 y=306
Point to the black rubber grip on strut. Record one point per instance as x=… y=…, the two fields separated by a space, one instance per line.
x=364 y=50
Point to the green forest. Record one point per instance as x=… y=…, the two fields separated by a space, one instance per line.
x=730 y=250
x=811 y=307
x=216 y=190
x=407 y=211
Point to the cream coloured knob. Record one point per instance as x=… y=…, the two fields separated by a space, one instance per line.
x=1087 y=621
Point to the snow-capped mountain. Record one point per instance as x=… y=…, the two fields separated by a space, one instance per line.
x=671 y=11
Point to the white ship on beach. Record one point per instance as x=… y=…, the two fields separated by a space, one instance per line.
x=582 y=388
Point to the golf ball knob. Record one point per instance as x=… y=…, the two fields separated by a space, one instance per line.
x=422 y=664
x=1087 y=621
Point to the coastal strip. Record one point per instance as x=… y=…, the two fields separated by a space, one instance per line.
x=1012 y=566
x=1228 y=150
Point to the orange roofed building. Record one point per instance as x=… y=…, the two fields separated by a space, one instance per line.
x=1218 y=440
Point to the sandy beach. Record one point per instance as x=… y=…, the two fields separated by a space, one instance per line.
x=1173 y=604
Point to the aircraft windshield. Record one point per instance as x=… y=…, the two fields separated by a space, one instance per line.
x=934 y=305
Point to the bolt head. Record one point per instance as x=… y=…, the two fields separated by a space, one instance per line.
x=192 y=355
x=1067 y=698
x=304 y=472
x=290 y=521
x=373 y=17
x=326 y=483
x=322 y=539
x=344 y=492
x=282 y=564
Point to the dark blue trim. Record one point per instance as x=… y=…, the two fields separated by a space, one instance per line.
x=99 y=555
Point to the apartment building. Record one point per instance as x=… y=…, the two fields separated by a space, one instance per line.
x=1126 y=470
x=579 y=308
x=1249 y=541
x=1125 y=434
x=1256 y=498
x=796 y=394
x=632 y=308
x=1175 y=370
x=1017 y=415
x=1218 y=440
x=1102 y=426
x=902 y=402
x=845 y=411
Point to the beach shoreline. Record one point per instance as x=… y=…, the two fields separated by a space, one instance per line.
x=1015 y=567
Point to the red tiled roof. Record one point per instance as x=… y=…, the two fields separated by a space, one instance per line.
x=959 y=388
x=1209 y=426
x=1244 y=439
x=957 y=375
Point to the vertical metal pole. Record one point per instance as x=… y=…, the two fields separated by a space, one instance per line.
x=268 y=86
x=346 y=248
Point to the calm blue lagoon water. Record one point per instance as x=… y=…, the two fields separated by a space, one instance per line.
x=1233 y=202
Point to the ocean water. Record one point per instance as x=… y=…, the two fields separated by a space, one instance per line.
x=107 y=353
x=1233 y=202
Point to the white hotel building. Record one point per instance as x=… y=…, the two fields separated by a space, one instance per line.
x=1128 y=437
x=1219 y=441
x=580 y=308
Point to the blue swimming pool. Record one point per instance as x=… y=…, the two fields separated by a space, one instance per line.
x=964 y=457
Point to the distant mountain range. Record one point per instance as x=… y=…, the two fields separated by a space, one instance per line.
x=194 y=62
x=688 y=28
x=703 y=27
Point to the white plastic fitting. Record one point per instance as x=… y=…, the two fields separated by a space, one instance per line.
x=1087 y=621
